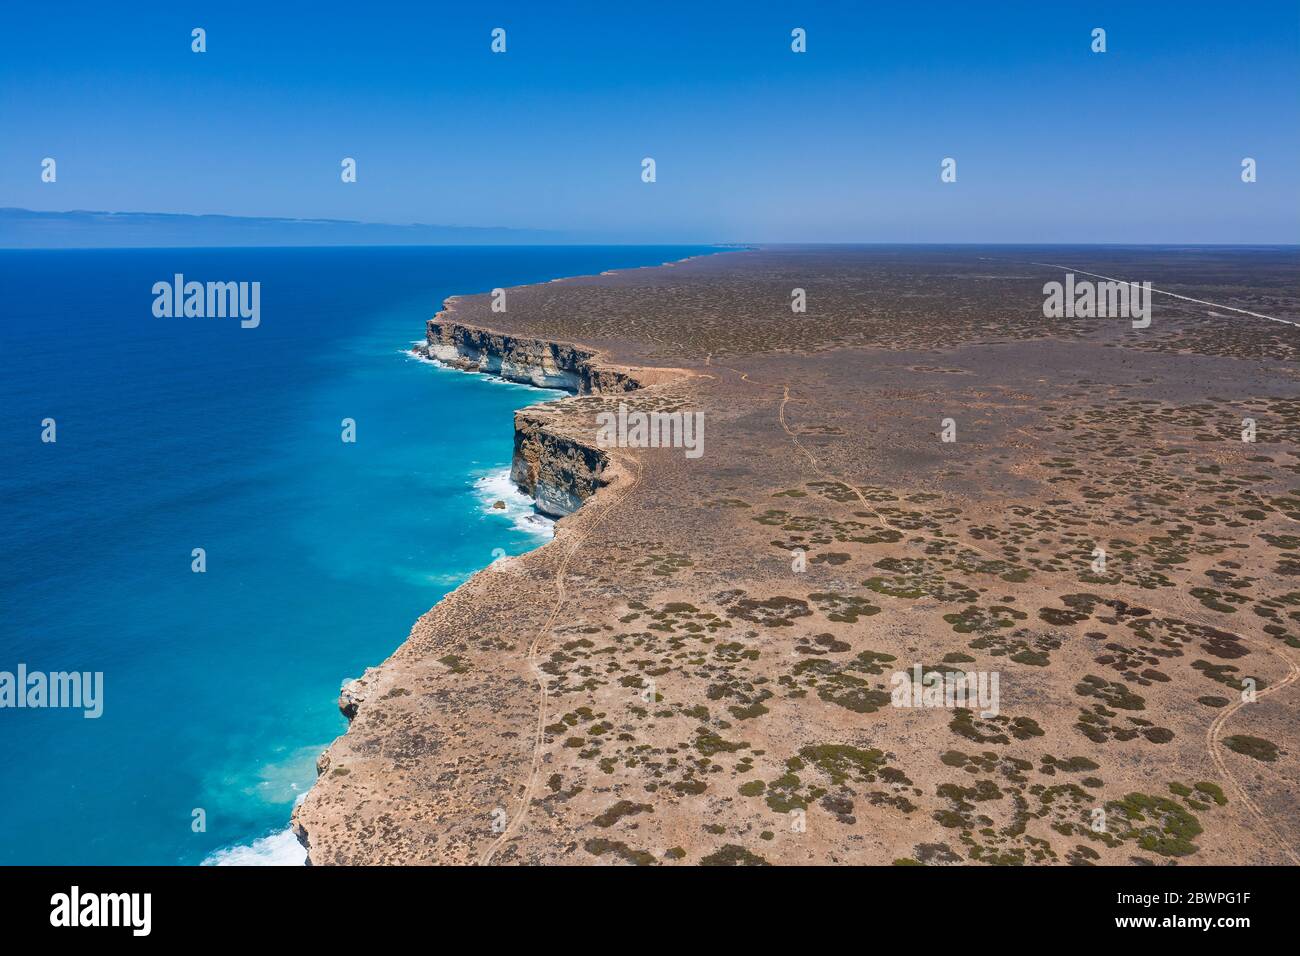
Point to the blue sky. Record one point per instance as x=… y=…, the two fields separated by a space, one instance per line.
x=752 y=142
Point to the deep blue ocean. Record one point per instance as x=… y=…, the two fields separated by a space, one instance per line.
x=220 y=687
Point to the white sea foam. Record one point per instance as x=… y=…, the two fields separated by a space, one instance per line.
x=519 y=508
x=485 y=376
x=276 y=849
x=424 y=359
x=421 y=579
x=281 y=848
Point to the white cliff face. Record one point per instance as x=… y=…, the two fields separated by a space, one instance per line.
x=530 y=361
x=512 y=367
x=558 y=471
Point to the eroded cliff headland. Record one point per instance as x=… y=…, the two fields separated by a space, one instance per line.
x=559 y=469
x=920 y=476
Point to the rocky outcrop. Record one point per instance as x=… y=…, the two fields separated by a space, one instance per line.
x=353 y=693
x=557 y=470
x=517 y=359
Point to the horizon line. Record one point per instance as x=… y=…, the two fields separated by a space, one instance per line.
x=526 y=235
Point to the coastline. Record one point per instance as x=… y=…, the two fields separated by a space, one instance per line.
x=283 y=847
x=558 y=471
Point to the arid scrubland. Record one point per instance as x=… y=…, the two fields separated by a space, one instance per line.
x=919 y=474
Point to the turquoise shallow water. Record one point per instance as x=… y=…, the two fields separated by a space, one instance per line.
x=220 y=688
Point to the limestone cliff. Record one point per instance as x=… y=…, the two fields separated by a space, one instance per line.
x=530 y=361
x=556 y=469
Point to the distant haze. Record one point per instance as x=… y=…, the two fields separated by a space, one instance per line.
x=25 y=229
